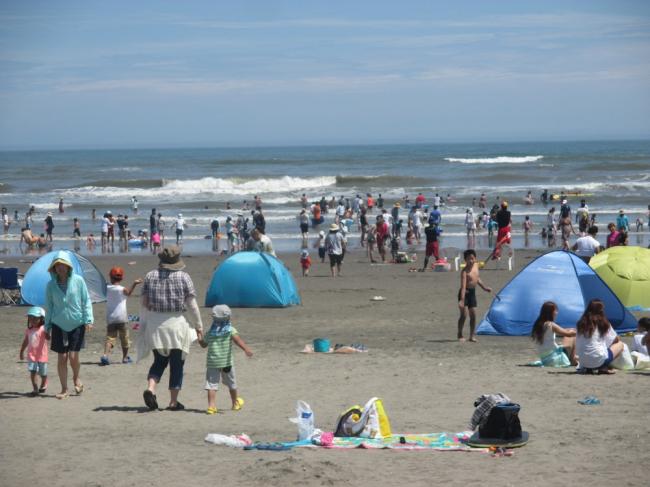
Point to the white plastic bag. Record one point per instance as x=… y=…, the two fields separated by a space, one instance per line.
x=235 y=441
x=624 y=360
x=304 y=419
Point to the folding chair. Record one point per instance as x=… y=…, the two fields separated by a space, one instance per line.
x=9 y=286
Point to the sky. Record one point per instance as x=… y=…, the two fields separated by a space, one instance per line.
x=118 y=74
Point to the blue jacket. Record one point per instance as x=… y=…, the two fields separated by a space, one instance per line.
x=72 y=309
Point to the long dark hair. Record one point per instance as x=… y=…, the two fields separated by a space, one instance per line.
x=546 y=313
x=593 y=318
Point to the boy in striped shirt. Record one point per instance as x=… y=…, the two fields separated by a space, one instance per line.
x=218 y=340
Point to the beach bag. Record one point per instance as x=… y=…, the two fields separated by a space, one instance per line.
x=624 y=360
x=502 y=423
x=370 y=421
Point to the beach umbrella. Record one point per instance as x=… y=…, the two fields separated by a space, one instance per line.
x=626 y=270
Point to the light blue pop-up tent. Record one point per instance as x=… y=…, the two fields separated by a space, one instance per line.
x=558 y=276
x=252 y=280
x=37 y=277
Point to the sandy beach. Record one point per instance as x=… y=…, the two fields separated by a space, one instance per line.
x=428 y=382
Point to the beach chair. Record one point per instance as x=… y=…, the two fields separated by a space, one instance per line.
x=9 y=286
x=452 y=254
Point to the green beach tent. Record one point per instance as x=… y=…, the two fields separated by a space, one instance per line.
x=626 y=270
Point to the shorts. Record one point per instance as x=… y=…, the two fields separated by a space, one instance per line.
x=179 y=233
x=304 y=228
x=610 y=357
x=39 y=367
x=113 y=330
x=213 y=376
x=67 y=341
x=432 y=249
x=335 y=259
x=321 y=252
x=76 y=233
x=470 y=297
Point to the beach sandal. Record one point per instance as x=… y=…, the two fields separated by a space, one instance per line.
x=34 y=393
x=79 y=388
x=589 y=401
x=62 y=395
x=211 y=411
x=239 y=403
x=177 y=407
x=42 y=390
x=150 y=399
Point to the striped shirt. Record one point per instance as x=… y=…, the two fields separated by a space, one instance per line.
x=166 y=291
x=220 y=349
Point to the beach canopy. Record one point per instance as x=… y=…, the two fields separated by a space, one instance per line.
x=37 y=277
x=252 y=280
x=626 y=270
x=558 y=276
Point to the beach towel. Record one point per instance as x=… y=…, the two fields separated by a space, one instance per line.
x=426 y=441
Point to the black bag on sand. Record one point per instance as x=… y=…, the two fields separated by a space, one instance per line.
x=502 y=423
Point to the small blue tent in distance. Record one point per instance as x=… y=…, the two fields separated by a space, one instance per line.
x=252 y=280
x=37 y=277
x=558 y=276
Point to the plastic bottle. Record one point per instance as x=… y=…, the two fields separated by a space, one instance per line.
x=304 y=419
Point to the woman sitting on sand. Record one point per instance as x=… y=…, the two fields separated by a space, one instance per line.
x=597 y=344
x=543 y=334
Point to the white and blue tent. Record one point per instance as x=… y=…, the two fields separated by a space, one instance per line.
x=558 y=276
x=252 y=280
x=37 y=277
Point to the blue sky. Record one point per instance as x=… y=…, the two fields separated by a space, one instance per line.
x=215 y=73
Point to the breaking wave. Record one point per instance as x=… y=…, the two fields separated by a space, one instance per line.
x=496 y=160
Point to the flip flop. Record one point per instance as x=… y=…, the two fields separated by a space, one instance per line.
x=42 y=390
x=589 y=401
x=150 y=399
x=272 y=446
x=178 y=407
x=79 y=388
x=62 y=395
x=239 y=403
x=211 y=411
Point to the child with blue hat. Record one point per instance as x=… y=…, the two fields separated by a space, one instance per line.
x=218 y=340
x=35 y=342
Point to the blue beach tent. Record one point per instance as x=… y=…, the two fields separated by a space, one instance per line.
x=558 y=276
x=37 y=277
x=252 y=280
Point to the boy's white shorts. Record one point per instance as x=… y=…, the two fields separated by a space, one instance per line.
x=213 y=376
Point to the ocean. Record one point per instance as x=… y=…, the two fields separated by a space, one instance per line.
x=200 y=182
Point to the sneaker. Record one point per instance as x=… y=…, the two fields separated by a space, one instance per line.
x=104 y=361
x=127 y=360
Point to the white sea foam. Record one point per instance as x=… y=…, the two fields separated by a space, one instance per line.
x=496 y=160
x=237 y=186
x=121 y=169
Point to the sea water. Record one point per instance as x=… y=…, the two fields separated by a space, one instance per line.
x=199 y=183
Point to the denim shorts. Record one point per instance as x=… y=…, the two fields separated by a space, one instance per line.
x=39 y=367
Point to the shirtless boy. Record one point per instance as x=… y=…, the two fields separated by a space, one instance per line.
x=469 y=279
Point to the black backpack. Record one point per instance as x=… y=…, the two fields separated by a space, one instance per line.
x=503 y=423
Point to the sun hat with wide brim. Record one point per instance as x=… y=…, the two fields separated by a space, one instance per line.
x=221 y=312
x=170 y=259
x=334 y=227
x=60 y=258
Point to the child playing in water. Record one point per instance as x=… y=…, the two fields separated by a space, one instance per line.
x=469 y=279
x=305 y=262
x=218 y=340
x=35 y=342
x=117 y=316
